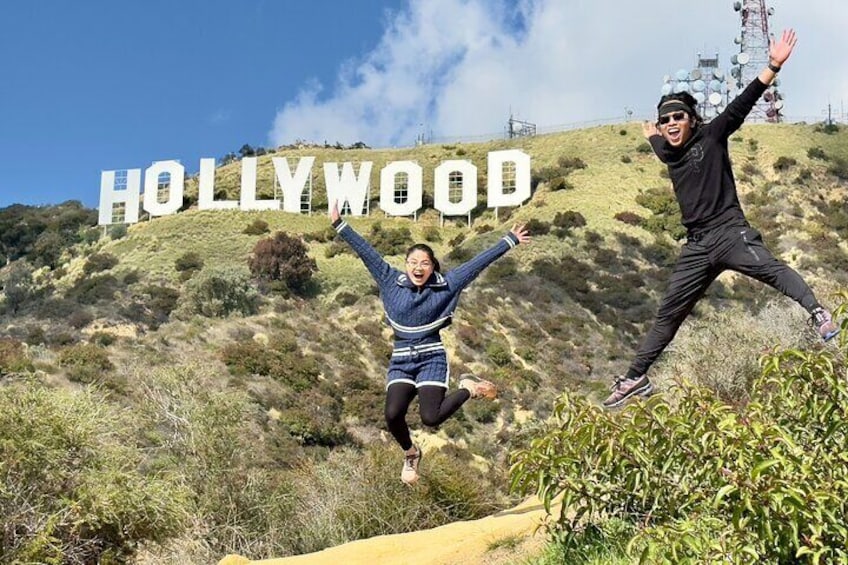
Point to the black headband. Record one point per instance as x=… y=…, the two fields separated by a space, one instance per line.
x=673 y=106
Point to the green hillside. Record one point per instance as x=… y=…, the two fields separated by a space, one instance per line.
x=260 y=431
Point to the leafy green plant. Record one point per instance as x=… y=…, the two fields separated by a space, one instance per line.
x=706 y=481
x=220 y=291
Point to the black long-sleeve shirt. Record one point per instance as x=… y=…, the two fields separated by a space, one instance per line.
x=700 y=169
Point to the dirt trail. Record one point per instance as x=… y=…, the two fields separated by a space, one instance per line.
x=505 y=537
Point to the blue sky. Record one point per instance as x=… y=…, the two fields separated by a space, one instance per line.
x=95 y=85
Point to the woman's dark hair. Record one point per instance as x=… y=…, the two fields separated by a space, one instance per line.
x=686 y=99
x=430 y=255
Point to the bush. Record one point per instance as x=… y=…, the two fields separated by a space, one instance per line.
x=365 y=495
x=390 y=241
x=282 y=258
x=90 y=290
x=839 y=168
x=219 y=292
x=13 y=357
x=432 y=234
x=629 y=218
x=817 y=153
x=644 y=148
x=99 y=262
x=72 y=489
x=85 y=363
x=117 y=231
x=569 y=219
x=784 y=163
x=257 y=227
x=704 y=481
x=626 y=159
x=189 y=261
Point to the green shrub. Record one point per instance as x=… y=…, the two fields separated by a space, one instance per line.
x=13 y=357
x=99 y=262
x=817 y=153
x=219 y=292
x=644 y=148
x=626 y=159
x=93 y=289
x=85 y=363
x=704 y=481
x=281 y=360
x=498 y=353
x=256 y=227
x=784 y=163
x=388 y=241
x=72 y=489
x=117 y=231
x=353 y=495
x=432 y=234
x=839 y=168
x=190 y=261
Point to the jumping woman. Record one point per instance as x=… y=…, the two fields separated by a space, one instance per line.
x=419 y=302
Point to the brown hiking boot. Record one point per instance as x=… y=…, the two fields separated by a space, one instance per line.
x=478 y=387
x=409 y=474
x=625 y=388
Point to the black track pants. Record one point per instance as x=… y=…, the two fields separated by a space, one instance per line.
x=433 y=406
x=738 y=248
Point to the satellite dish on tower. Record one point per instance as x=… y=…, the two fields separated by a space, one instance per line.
x=715 y=98
x=715 y=86
x=699 y=85
x=682 y=74
x=778 y=104
x=768 y=96
x=699 y=97
x=666 y=78
x=695 y=74
x=666 y=89
x=718 y=73
x=743 y=58
x=681 y=87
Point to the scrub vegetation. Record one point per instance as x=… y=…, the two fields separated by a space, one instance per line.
x=212 y=382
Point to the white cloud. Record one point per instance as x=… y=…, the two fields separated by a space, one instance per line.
x=459 y=67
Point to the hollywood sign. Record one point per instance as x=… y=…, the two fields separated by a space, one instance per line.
x=343 y=183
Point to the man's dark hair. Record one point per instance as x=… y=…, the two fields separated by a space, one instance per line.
x=687 y=100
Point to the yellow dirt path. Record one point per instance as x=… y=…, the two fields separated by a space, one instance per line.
x=502 y=538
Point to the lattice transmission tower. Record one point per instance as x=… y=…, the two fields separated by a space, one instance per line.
x=753 y=42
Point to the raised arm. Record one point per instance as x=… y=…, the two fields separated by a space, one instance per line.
x=738 y=109
x=374 y=262
x=655 y=139
x=463 y=275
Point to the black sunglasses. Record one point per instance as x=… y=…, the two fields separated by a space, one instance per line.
x=676 y=116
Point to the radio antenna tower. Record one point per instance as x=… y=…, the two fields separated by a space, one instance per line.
x=753 y=42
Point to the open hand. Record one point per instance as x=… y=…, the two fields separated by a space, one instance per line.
x=520 y=232
x=780 y=50
x=334 y=212
x=649 y=129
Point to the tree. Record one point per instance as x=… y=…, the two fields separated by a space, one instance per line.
x=282 y=258
x=18 y=286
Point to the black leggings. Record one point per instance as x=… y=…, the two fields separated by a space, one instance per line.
x=433 y=405
x=738 y=248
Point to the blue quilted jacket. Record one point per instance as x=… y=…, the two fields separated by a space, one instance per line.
x=418 y=314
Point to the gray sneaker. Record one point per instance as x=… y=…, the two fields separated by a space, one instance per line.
x=625 y=388
x=824 y=324
x=409 y=474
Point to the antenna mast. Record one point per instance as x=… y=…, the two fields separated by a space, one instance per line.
x=753 y=44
